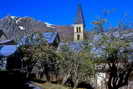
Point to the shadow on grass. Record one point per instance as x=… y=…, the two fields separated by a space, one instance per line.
x=13 y=80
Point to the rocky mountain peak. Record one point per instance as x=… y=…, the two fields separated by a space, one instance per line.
x=16 y=27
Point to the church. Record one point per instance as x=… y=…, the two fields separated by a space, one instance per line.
x=74 y=32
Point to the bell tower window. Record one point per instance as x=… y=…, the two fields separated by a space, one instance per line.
x=78 y=29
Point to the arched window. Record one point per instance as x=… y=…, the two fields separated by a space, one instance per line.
x=78 y=37
x=79 y=29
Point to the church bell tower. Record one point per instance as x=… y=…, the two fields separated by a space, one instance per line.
x=79 y=25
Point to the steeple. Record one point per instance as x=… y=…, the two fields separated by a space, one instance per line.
x=79 y=15
x=79 y=25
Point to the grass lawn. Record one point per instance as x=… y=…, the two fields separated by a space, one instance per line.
x=51 y=86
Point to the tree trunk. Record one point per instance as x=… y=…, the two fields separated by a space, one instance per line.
x=75 y=84
x=65 y=79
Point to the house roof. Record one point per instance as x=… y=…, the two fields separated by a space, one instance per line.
x=73 y=46
x=7 y=50
x=50 y=36
x=7 y=42
x=65 y=32
x=2 y=34
x=46 y=36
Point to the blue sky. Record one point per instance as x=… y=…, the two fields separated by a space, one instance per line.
x=62 y=12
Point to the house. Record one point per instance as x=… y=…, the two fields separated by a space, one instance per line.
x=9 y=57
x=52 y=38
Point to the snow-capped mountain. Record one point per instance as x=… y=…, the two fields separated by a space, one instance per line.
x=15 y=27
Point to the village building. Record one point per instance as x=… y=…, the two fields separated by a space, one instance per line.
x=52 y=38
x=74 y=32
x=10 y=54
x=9 y=57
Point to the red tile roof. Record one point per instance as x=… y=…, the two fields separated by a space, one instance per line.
x=66 y=33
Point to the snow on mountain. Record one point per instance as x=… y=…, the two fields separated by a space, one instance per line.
x=13 y=17
x=49 y=25
x=18 y=20
x=21 y=28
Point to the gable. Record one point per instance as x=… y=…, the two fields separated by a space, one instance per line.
x=2 y=36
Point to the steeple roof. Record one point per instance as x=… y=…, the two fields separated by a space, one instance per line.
x=79 y=15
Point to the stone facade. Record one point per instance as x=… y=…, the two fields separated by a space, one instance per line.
x=78 y=32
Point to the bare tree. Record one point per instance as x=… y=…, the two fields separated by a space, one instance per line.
x=76 y=66
x=119 y=68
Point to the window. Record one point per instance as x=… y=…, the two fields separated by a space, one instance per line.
x=79 y=29
x=78 y=37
